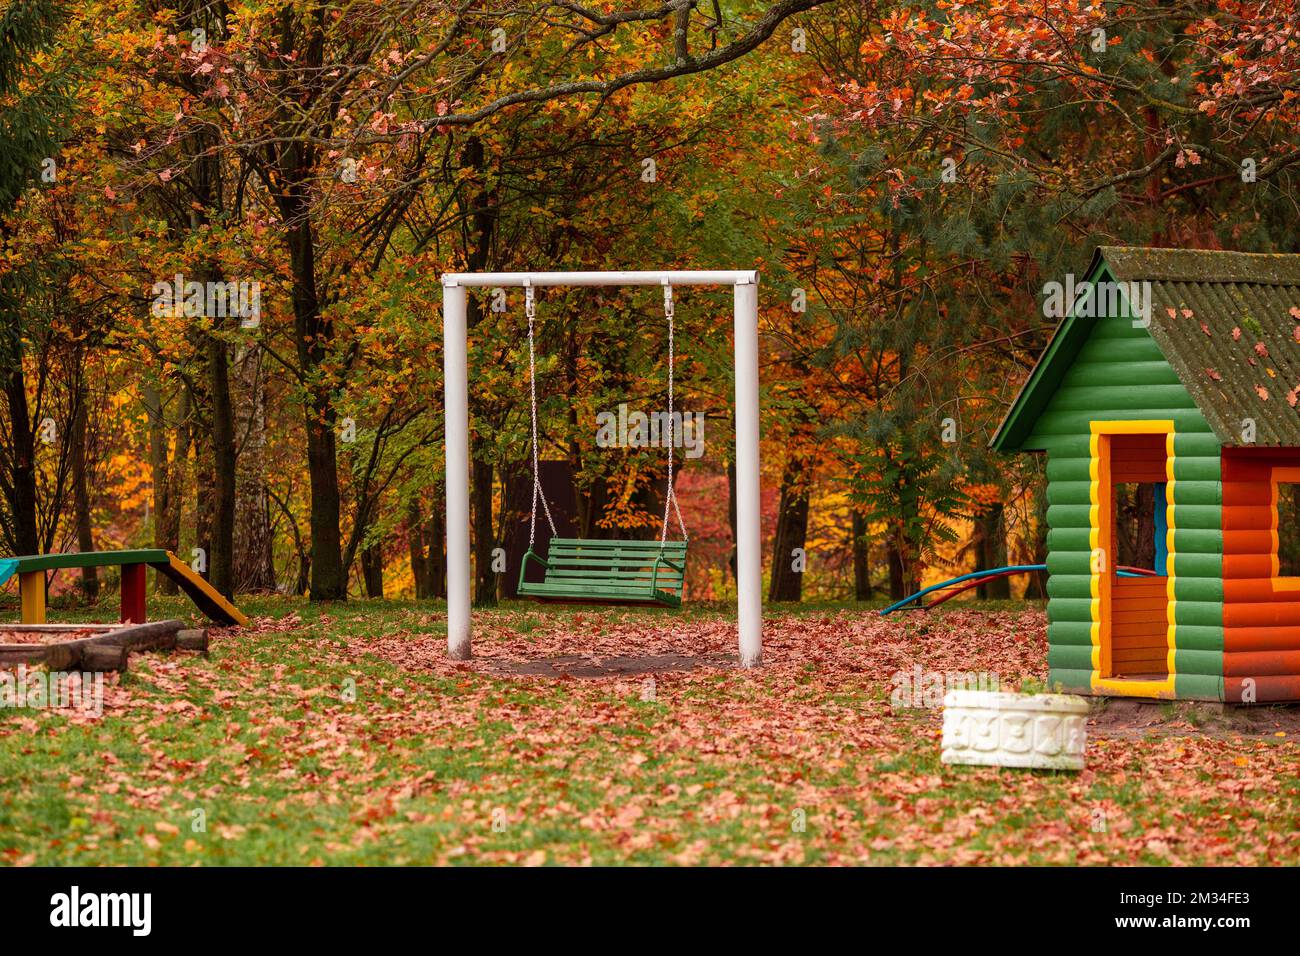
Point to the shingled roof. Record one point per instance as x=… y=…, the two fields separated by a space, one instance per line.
x=1227 y=322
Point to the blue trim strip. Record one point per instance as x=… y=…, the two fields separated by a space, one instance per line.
x=1162 y=529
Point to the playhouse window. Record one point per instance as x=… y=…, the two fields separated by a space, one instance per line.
x=1288 y=529
x=1139 y=525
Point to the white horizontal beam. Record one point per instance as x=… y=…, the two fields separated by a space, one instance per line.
x=504 y=279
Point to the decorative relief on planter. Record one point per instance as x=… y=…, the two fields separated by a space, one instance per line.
x=1014 y=730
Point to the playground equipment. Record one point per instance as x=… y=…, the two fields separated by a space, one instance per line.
x=964 y=582
x=600 y=571
x=96 y=647
x=608 y=572
x=31 y=582
x=1172 y=382
x=586 y=563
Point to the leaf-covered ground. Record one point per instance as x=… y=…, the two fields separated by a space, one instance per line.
x=343 y=736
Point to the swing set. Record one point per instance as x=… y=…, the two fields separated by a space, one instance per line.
x=585 y=571
x=589 y=571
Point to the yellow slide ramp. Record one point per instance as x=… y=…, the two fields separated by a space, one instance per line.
x=205 y=597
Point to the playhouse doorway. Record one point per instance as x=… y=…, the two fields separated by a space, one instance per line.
x=1135 y=605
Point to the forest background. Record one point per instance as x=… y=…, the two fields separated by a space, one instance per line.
x=906 y=177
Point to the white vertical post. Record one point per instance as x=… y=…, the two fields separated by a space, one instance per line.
x=749 y=557
x=455 y=372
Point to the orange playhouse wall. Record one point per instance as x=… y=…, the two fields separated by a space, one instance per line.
x=1261 y=612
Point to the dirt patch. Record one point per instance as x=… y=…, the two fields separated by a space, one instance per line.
x=580 y=665
x=1117 y=717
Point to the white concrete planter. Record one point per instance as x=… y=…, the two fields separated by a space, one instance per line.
x=1014 y=730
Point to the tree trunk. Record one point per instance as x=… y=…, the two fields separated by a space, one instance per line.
x=254 y=557
x=435 y=540
x=415 y=550
x=731 y=517
x=372 y=570
x=1145 y=553
x=89 y=582
x=22 y=477
x=166 y=473
x=991 y=552
x=313 y=338
x=485 y=579
x=1034 y=588
x=861 y=553
x=897 y=579
x=221 y=550
x=426 y=540
x=512 y=517
x=327 y=580
x=590 y=508
x=203 y=471
x=217 y=516
x=791 y=532
x=203 y=504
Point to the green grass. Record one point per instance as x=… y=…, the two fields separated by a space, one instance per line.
x=433 y=762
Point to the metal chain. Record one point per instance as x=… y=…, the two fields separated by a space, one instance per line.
x=670 y=496
x=531 y=311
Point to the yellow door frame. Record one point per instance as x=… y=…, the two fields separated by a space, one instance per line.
x=1102 y=556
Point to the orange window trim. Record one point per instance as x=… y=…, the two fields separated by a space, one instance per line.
x=1278 y=475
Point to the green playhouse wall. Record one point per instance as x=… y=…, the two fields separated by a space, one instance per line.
x=1119 y=374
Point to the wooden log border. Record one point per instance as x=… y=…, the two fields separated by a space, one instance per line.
x=102 y=652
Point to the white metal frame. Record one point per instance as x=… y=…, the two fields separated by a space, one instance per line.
x=749 y=587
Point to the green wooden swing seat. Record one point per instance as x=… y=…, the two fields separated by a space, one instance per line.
x=579 y=571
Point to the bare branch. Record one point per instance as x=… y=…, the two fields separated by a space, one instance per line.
x=760 y=31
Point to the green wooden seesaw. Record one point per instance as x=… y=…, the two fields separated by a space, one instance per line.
x=31 y=581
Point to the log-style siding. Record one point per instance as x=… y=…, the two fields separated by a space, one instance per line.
x=1261 y=613
x=1119 y=375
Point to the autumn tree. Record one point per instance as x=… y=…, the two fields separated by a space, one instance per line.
x=35 y=99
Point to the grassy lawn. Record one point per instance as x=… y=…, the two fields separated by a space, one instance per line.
x=340 y=735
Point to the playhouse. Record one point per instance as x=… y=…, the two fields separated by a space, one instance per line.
x=1166 y=403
